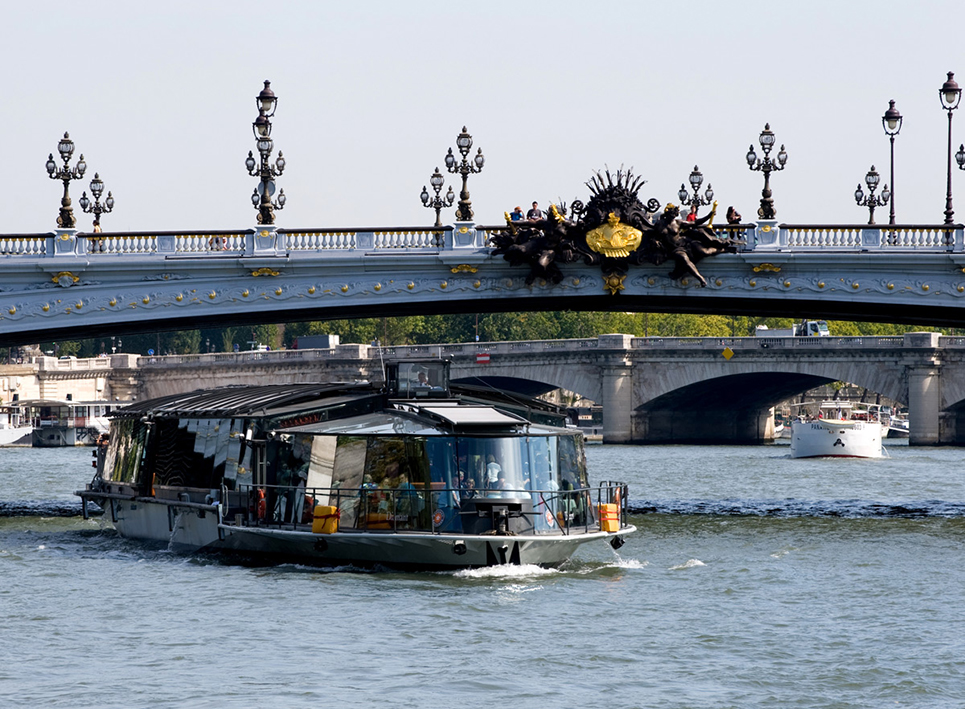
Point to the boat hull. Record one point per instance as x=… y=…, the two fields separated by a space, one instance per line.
x=19 y=436
x=191 y=527
x=836 y=439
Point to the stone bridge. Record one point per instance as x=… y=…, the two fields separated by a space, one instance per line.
x=653 y=390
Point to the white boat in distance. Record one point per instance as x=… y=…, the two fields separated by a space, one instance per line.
x=840 y=431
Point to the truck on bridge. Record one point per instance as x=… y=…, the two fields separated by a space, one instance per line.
x=807 y=328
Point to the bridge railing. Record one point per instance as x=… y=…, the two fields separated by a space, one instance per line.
x=771 y=236
x=750 y=343
x=248 y=242
x=762 y=236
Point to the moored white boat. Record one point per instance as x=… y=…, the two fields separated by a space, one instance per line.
x=897 y=427
x=412 y=476
x=67 y=423
x=15 y=428
x=840 y=431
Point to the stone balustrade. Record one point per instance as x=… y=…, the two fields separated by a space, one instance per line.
x=762 y=236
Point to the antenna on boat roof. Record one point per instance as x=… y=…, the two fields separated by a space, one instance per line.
x=378 y=343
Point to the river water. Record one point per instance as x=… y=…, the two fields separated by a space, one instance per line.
x=754 y=580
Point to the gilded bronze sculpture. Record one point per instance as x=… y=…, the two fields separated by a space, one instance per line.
x=614 y=229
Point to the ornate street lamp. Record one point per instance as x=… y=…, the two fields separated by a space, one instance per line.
x=891 y=122
x=97 y=189
x=464 y=168
x=767 y=166
x=265 y=171
x=872 y=200
x=950 y=95
x=696 y=180
x=437 y=202
x=66 y=149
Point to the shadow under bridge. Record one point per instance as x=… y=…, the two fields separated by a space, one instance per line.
x=724 y=410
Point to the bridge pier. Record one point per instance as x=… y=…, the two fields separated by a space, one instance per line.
x=616 y=372
x=924 y=392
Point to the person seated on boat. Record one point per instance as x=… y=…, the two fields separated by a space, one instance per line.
x=467 y=487
x=410 y=501
x=572 y=503
x=423 y=381
x=500 y=488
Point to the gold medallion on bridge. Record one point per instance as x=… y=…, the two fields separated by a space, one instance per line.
x=614 y=239
x=614 y=282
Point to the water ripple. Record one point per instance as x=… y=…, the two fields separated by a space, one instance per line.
x=847 y=509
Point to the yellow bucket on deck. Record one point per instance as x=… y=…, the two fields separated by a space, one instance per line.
x=326 y=520
x=609 y=517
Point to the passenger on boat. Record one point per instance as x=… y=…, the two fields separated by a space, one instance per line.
x=467 y=487
x=410 y=501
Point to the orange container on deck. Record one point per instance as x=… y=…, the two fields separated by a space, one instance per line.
x=326 y=520
x=609 y=517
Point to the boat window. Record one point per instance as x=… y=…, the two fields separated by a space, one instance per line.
x=421 y=483
x=382 y=482
x=124 y=451
x=572 y=461
x=420 y=379
x=236 y=441
x=322 y=467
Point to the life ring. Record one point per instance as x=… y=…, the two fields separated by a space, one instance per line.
x=550 y=519
x=438 y=517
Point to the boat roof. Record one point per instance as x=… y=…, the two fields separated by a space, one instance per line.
x=242 y=400
x=317 y=408
x=63 y=402
x=414 y=420
x=836 y=405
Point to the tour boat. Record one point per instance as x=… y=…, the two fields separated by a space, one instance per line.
x=840 y=431
x=416 y=474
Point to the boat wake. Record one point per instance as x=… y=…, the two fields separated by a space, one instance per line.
x=506 y=571
x=45 y=508
x=801 y=508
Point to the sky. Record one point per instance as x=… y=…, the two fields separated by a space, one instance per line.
x=160 y=97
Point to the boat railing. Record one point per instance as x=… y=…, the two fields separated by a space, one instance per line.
x=419 y=508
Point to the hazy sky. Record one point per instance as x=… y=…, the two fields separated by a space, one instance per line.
x=160 y=98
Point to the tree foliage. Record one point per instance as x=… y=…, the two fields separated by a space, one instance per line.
x=431 y=329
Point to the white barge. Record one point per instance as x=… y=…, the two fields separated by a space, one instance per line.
x=413 y=475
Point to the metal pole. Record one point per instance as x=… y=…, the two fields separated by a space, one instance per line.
x=949 y=212
x=891 y=217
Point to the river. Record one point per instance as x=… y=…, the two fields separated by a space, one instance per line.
x=754 y=580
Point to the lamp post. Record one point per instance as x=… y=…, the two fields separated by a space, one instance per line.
x=872 y=200
x=66 y=149
x=97 y=189
x=265 y=171
x=696 y=180
x=767 y=166
x=464 y=168
x=950 y=95
x=437 y=202
x=891 y=122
